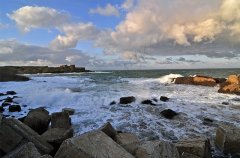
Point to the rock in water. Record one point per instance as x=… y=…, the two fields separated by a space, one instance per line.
x=14 y=108
x=148 y=102
x=128 y=141
x=233 y=79
x=197 y=80
x=70 y=111
x=157 y=149
x=26 y=151
x=1 y=109
x=127 y=100
x=228 y=138
x=168 y=113
x=231 y=86
x=38 y=119
x=164 y=99
x=93 y=144
x=197 y=147
x=11 y=93
x=109 y=130
x=60 y=120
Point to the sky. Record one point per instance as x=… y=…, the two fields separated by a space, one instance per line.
x=121 y=34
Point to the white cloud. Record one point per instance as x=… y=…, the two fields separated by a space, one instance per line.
x=108 y=10
x=127 y=4
x=30 y=17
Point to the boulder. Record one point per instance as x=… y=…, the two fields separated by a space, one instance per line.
x=2 y=94
x=57 y=135
x=197 y=80
x=11 y=93
x=4 y=104
x=60 y=120
x=168 y=113
x=14 y=108
x=26 y=151
x=157 y=149
x=70 y=111
x=109 y=130
x=164 y=99
x=220 y=80
x=198 y=147
x=28 y=134
x=128 y=141
x=127 y=100
x=1 y=109
x=9 y=139
x=93 y=144
x=8 y=99
x=147 y=102
x=113 y=103
x=38 y=119
x=229 y=88
x=228 y=138
x=233 y=79
x=187 y=155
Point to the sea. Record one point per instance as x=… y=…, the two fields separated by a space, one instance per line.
x=201 y=109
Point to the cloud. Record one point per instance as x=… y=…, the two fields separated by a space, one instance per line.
x=14 y=53
x=108 y=10
x=30 y=17
x=3 y=26
x=127 y=4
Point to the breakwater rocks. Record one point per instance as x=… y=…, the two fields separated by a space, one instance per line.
x=231 y=85
x=19 y=140
x=6 y=76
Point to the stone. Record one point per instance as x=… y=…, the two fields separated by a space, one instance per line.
x=220 y=80
x=229 y=88
x=113 y=103
x=233 y=79
x=2 y=94
x=109 y=130
x=14 y=108
x=70 y=111
x=128 y=141
x=28 y=134
x=157 y=149
x=45 y=156
x=60 y=120
x=147 y=102
x=1 y=109
x=8 y=99
x=199 y=147
x=127 y=100
x=9 y=139
x=168 y=113
x=57 y=135
x=4 y=104
x=228 y=138
x=11 y=93
x=197 y=80
x=38 y=119
x=93 y=144
x=187 y=155
x=26 y=151
x=164 y=99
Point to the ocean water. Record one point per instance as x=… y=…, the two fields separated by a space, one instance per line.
x=91 y=94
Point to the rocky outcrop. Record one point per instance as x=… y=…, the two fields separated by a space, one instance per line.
x=14 y=108
x=92 y=144
x=228 y=138
x=60 y=120
x=127 y=100
x=157 y=149
x=197 y=80
x=231 y=86
x=164 y=99
x=5 y=76
x=168 y=113
x=38 y=119
x=109 y=130
x=70 y=111
x=197 y=147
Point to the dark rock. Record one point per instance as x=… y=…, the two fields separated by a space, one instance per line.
x=127 y=100
x=28 y=134
x=93 y=144
x=9 y=99
x=14 y=108
x=46 y=156
x=187 y=155
x=24 y=106
x=198 y=147
x=164 y=99
x=70 y=111
x=22 y=119
x=155 y=99
x=168 y=113
x=11 y=93
x=128 y=141
x=157 y=149
x=6 y=104
x=38 y=119
x=113 y=103
x=5 y=76
x=2 y=94
x=1 y=109
x=60 y=120
x=148 y=102
x=109 y=130
x=225 y=103
x=26 y=151
x=220 y=80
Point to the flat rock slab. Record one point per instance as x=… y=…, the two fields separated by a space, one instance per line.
x=198 y=147
x=93 y=144
x=26 y=151
x=157 y=149
x=228 y=138
x=128 y=141
x=28 y=134
x=60 y=120
x=57 y=135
